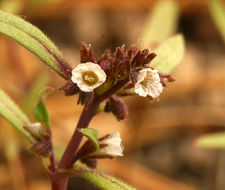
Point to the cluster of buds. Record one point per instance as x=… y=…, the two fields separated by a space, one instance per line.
x=42 y=139
x=99 y=76
x=105 y=79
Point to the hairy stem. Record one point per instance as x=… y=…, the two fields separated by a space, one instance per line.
x=52 y=162
x=86 y=116
x=59 y=182
x=69 y=157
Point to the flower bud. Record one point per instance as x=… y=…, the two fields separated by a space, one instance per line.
x=37 y=131
x=42 y=149
x=70 y=88
x=117 y=107
x=86 y=53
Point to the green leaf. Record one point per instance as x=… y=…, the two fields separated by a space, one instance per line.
x=161 y=23
x=92 y=135
x=215 y=140
x=104 y=181
x=217 y=10
x=33 y=94
x=41 y=113
x=169 y=54
x=12 y=113
x=34 y=40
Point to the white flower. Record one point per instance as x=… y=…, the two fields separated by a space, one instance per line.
x=110 y=146
x=148 y=83
x=88 y=76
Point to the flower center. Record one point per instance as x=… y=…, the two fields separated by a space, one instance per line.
x=148 y=79
x=90 y=78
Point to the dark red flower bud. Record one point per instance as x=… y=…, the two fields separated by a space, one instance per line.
x=42 y=149
x=84 y=97
x=86 y=54
x=143 y=58
x=117 y=107
x=70 y=88
x=104 y=62
x=166 y=78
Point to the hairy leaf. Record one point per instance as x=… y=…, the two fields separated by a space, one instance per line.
x=100 y=179
x=215 y=140
x=169 y=54
x=92 y=135
x=161 y=23
x=35 y=41
x=12 y=113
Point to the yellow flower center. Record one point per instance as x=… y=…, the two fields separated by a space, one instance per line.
x=148 y=79
x=90 y=78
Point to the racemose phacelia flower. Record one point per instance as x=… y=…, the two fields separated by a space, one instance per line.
x=111 y=146
x=148 y=83
x=88 y=76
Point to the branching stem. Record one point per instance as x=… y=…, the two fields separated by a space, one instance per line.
x=69 y=156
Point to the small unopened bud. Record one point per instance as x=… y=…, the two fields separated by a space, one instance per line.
x=86 y=53
x=41 y=148
x=37 y=131
x=171 y=78
x=70 y=88
x=166 y=78
x=117 y=107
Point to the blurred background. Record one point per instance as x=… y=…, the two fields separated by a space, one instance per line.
x=159 y=137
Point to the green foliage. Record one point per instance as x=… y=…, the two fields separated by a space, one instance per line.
x=161 y=23
x=169 y=54
x=41 y=113
x=104 y=181
x=92 y=135
x=33 y=95
x=31 y=38
x=217 y=10
x=12 y=113
x=215 y=140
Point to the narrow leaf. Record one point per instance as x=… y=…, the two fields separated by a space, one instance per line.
x=35 y=41
x=103 y=181
x=169 y=54
x=92 y=135
x=12 y=113
x=41 y=113
x=216 y=140
x=217 y=10
x=161 y=23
